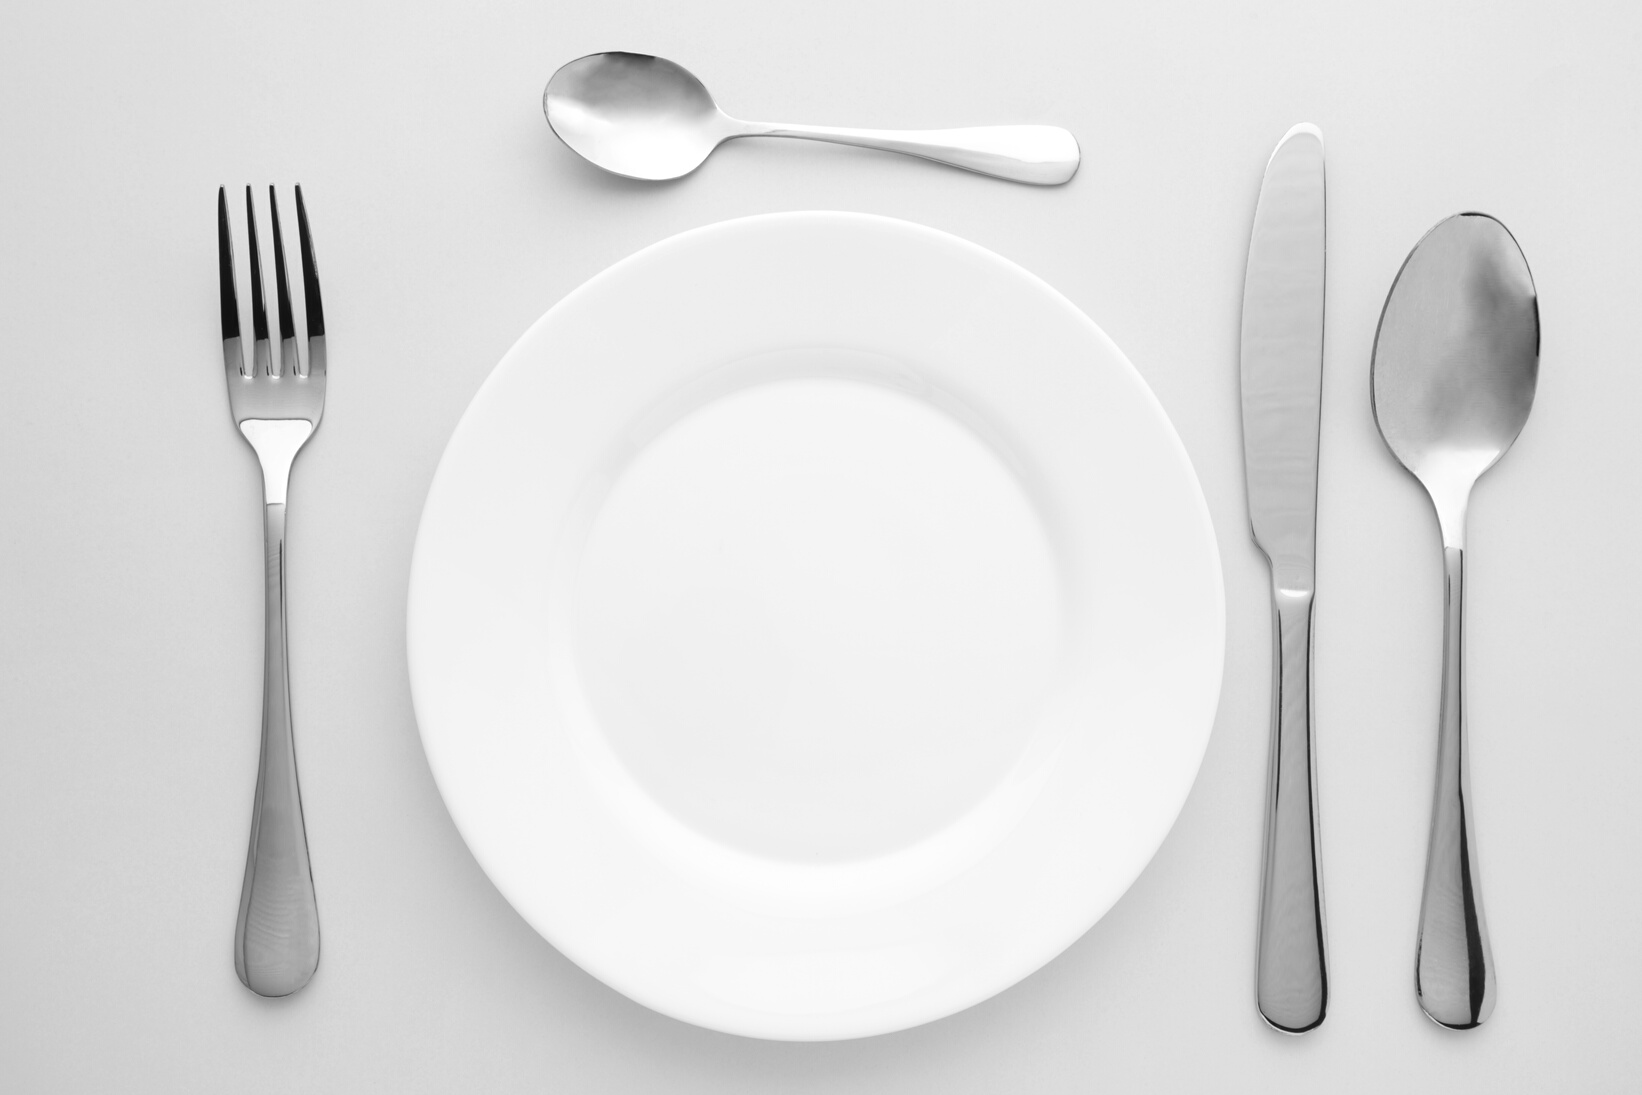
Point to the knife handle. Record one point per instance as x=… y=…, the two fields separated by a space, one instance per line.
x=1292 y=980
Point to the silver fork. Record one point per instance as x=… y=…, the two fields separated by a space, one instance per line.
x=276 y=405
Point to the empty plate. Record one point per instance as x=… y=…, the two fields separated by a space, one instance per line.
x=815 y=625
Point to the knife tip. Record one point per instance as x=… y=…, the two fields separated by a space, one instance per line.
x=1306 y=128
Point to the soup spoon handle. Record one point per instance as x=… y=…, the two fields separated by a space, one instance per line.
x=1042 y=154
x=1454 y=968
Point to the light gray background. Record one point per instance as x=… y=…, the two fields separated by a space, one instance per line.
x=448 y=218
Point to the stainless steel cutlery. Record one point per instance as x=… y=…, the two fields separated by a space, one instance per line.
x=647 y=118
x=276 y=403
x=1282 y=378
x=1455 y=364
x=1454 y=370
x=1456 y=361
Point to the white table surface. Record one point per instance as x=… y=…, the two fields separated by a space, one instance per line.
x=447 y=218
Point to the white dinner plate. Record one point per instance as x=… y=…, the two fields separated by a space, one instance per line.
x=815 y=625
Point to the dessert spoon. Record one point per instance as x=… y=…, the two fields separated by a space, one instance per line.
x=647 y=118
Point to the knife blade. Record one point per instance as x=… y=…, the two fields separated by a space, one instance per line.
x=1282 y=374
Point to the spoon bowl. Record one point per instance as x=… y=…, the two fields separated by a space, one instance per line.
x=638 y=116
x=647 y=118
x=1456 y=359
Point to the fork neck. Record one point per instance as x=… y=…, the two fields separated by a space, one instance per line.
x=276 y=442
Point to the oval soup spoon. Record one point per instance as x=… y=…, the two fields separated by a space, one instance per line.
x=647 y=118
x=1456 y=360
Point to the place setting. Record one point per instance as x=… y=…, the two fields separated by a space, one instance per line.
x=816 y=624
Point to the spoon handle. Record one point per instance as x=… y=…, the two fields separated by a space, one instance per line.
x=1291 y=982
x=1454 y=968
x=1044 y=155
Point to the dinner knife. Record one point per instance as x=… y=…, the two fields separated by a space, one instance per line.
x=1282 y=367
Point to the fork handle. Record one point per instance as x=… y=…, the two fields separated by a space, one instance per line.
x=276 y=943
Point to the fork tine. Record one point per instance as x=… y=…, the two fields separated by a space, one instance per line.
x=289 y=360
x=310 y=290
x=233 y=357
x=261 y=360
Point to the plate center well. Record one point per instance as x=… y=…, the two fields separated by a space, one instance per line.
x=815 y=618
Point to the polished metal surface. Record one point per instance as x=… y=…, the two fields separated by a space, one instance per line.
x=1282 y=378
x=277 y=406
x=1456 y=361
x=648 y=118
